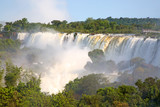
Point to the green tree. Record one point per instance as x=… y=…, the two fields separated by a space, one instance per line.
x=87 y=84
x=109 y=94
x=56 y=23
x=90 y=101
x=9 y=97
x=1 y=27
x=1 y=76
x=149 y=90
x=12 y=75
x=64 y=99
x=34 y=84
x=7 y=27
x=89 y=20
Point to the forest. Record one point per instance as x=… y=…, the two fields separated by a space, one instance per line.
x=20 y=87
x=90 y=25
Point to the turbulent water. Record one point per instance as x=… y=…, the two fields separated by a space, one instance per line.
x=117 y=47
x=65 y=55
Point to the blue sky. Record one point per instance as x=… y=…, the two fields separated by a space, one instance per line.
x=76 y=10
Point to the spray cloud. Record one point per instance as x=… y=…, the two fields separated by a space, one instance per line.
x=57 y=62
x=41 y=10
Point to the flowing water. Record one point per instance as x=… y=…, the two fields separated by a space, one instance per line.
x=117 y=47
x=64 y=55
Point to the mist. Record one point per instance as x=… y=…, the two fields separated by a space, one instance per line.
x=43 y=11
x=54 y=60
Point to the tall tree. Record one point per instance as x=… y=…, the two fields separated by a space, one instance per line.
x=1 y=27
x=12 y=75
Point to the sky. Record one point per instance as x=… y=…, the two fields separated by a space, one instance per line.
x=76 y=10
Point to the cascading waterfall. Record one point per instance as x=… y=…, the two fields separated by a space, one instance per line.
x=64 y=55
x=117 y=47
x=59 y=60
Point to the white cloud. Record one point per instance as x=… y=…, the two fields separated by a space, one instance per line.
x=44 y=10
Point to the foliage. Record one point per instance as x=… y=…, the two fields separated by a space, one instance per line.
x=8 y=48
x=1 y=75
x=121 y=94
x=64 y=99
x=86 y=85
x=1 y=27
x=9 y=97
x=149 y=90
x=9 y=45
x=90 y=25
x=32 y=95
x=92 y=92
x=90 y=100
x=12 y=75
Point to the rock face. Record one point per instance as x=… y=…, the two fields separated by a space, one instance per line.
x=97 y=56
x=128 y=71
x=99 y=63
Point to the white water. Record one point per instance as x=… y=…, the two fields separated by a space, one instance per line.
x=64 y=58
x=59 y=64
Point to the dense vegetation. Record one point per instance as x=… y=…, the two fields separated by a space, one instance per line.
x=9 y=45
x=17 y=94
x=8 y=48
x=90 y=25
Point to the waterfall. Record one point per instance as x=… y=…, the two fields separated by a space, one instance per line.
x=117 y=47
x=62 y=56
x=53 y=55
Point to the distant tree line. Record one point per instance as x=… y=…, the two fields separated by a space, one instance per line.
x=90 y=25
